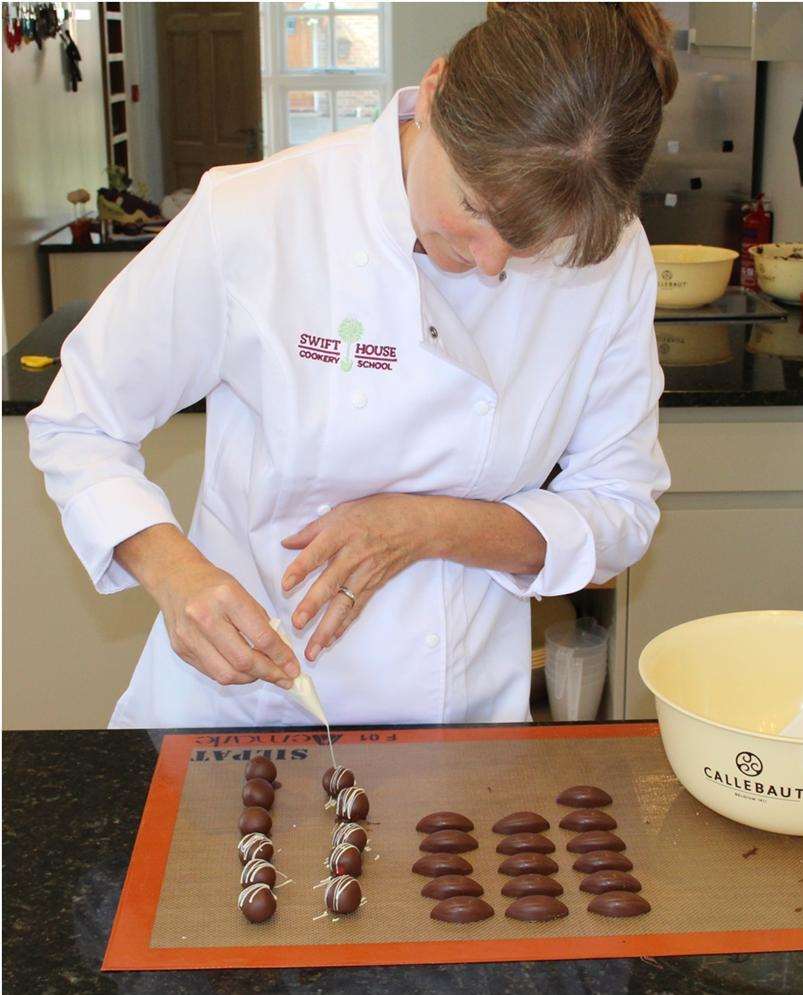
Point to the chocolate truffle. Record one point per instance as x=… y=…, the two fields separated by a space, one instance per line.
x=536 y=908
x=343 y=895
x=602 y=860
x=337 y=778
x=433 y=865
x=584 y=819
x=448 y=841
x=462 y=908
x=450 y=885
x=436 y=821
x=525 y=843
x=254 y=820
x=352 y=805
x=345 y=859
x=597 y=839
x=253 y=846
x=258 y=872
x=584 y=796
x=350 y=832
x=532 y=884
x=619 y=904
x=521 y=822
x=527 y=863
x=601 y=881
x=257 y=903
x=260 y=767
x=258 y=792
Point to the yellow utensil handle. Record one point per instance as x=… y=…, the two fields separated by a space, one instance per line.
x=37 y=362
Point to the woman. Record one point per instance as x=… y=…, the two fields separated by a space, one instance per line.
x=399 y=330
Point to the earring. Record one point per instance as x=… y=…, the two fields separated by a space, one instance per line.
x=418 y=125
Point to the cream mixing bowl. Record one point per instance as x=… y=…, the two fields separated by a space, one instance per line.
x=691 y=275
x=779 y=269
x=725 y=686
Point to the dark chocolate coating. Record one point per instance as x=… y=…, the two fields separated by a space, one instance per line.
x=450 y=885
x=448 y=841
x=260 y=767
x=345 y=859
x=254 y=820
x=258 y=872
x=602 y=860
x=619 y=904
x=536 y=908
x=521 y=822
x=259 y=848
x=584 y=796
x=260 y=907
x=345 y=779
x=597 y=839
x=343 y=896
x=532 y=884
x=528 y=863
x=584 y=819
x=525 y=843
x=352 y=804
x=462 y=908
x=433 y=865
x=601 y=881
x=258 y=792
x=350 y=832
x=436 y=821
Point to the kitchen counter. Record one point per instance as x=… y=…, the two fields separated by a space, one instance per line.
x=725 y=364
x=72 y=803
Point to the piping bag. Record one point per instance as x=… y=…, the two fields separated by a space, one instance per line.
x=303 y=691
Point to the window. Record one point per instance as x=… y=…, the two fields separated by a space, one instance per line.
x=325 y=67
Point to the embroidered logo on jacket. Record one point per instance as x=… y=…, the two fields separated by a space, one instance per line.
x=366 y=355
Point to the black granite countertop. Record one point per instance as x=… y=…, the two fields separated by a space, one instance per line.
x=707 y=364
x=72 y=802
x=62 y=241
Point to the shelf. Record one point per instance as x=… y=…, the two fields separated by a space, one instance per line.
x=737 y=304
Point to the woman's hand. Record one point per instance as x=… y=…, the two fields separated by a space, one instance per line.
x=210 y=617
x=365 y=543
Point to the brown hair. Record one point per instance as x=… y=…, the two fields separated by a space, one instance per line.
x=549 y=112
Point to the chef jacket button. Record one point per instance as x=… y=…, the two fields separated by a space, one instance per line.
x=432 y=640
x=482 y=407
x=502 y=276
x=358 y=399
x=360 y=258
x=323 y=509
x=433 y=331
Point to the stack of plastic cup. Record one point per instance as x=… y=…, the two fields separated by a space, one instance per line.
x=576 y=667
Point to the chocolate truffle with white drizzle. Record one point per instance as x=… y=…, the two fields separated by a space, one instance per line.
x=352 y=805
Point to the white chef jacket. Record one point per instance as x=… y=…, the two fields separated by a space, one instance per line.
x=474 y=391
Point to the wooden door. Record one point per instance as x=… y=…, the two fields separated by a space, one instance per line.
x=209 y=78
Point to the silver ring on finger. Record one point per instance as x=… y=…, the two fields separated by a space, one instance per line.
x=349 y=594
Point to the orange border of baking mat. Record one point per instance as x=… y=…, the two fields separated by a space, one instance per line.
x=129 y=942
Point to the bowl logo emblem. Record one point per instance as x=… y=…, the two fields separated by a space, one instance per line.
x=667 y=274
x=749 y=764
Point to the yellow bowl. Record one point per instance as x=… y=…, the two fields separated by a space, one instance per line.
x=779 y=269
x=691 y=275
x=725 y=686
x=690 y=344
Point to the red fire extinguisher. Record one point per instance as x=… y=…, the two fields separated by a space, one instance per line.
x=756 y=230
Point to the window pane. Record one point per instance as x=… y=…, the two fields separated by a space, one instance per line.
x=357 y=41
x=364 y=5
x=309 y=115
x=356 y=107
x=306 y=42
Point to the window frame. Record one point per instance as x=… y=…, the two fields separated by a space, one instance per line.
x=277 y=81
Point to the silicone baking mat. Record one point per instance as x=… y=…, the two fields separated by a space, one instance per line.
x=714 y=886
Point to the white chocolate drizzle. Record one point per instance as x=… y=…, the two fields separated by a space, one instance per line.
x=344 y=830
x=336 y=889
x=346 y=801
x=252 y=868
x=340 y=851
x=252 y=841
x=249 y=894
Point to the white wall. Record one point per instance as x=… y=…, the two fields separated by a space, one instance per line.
x=423 y=31
x=780 y=176
x=53 y=141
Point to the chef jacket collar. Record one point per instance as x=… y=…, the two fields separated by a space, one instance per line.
x=386 y=169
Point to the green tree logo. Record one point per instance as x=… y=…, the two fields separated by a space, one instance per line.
x=350 y=331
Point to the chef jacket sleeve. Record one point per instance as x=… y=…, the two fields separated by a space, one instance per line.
x=599 y=513
x=149 y=346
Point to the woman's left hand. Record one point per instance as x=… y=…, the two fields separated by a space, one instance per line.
x=365 y=543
